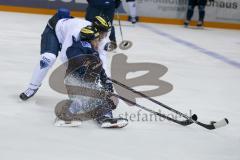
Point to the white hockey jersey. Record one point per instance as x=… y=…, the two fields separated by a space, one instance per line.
x=68 y=28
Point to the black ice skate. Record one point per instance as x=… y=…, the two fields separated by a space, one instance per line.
x=133 y=19
x=186 y=24
x=110 y=46
x=27 y=94
x=200 y=25
x=114 y=123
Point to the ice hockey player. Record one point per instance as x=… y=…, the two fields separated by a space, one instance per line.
x=132 y=11
x=104 y=8
x=82 y=54
x=201 y=9
x=57 y=36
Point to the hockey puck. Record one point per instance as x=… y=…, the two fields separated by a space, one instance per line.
x=227 y=121
x=124 y=45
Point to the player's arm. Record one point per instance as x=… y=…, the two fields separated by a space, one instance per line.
x=106 y=84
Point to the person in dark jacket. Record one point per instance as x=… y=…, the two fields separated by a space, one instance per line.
x=104 y=8
x=83 y=74
x=201 y=9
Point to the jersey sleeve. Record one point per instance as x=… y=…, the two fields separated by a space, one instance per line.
x=68 y=29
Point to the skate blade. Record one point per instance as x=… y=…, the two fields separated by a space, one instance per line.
x=61 y=123
x=119 y=124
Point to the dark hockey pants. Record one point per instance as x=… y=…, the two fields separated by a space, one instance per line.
x=201 y=8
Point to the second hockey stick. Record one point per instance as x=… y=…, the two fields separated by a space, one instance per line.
x=210 y=126
x=125 y=44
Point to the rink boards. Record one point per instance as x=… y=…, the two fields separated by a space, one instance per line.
x=219 y=14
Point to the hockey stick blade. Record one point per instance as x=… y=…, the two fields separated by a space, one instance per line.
x=221 y=123
x=215 y=125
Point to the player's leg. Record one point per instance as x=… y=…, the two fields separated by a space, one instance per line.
x=110 y=14
x=92 y=12
x=201 y=9
x=64 y=117
x=190 y=10
x=108 y=121
x=72 y=112
x=49 y=51
x=132 y=10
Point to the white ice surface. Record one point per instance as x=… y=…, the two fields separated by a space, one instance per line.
x=206 y=85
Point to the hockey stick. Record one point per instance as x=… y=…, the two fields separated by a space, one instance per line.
x=183 y=122
x=211 y=126
x=101 y=94
x=125 y=44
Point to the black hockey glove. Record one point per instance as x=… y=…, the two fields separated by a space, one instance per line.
x=52 y=22
x=108 y=86
x=117 y=3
